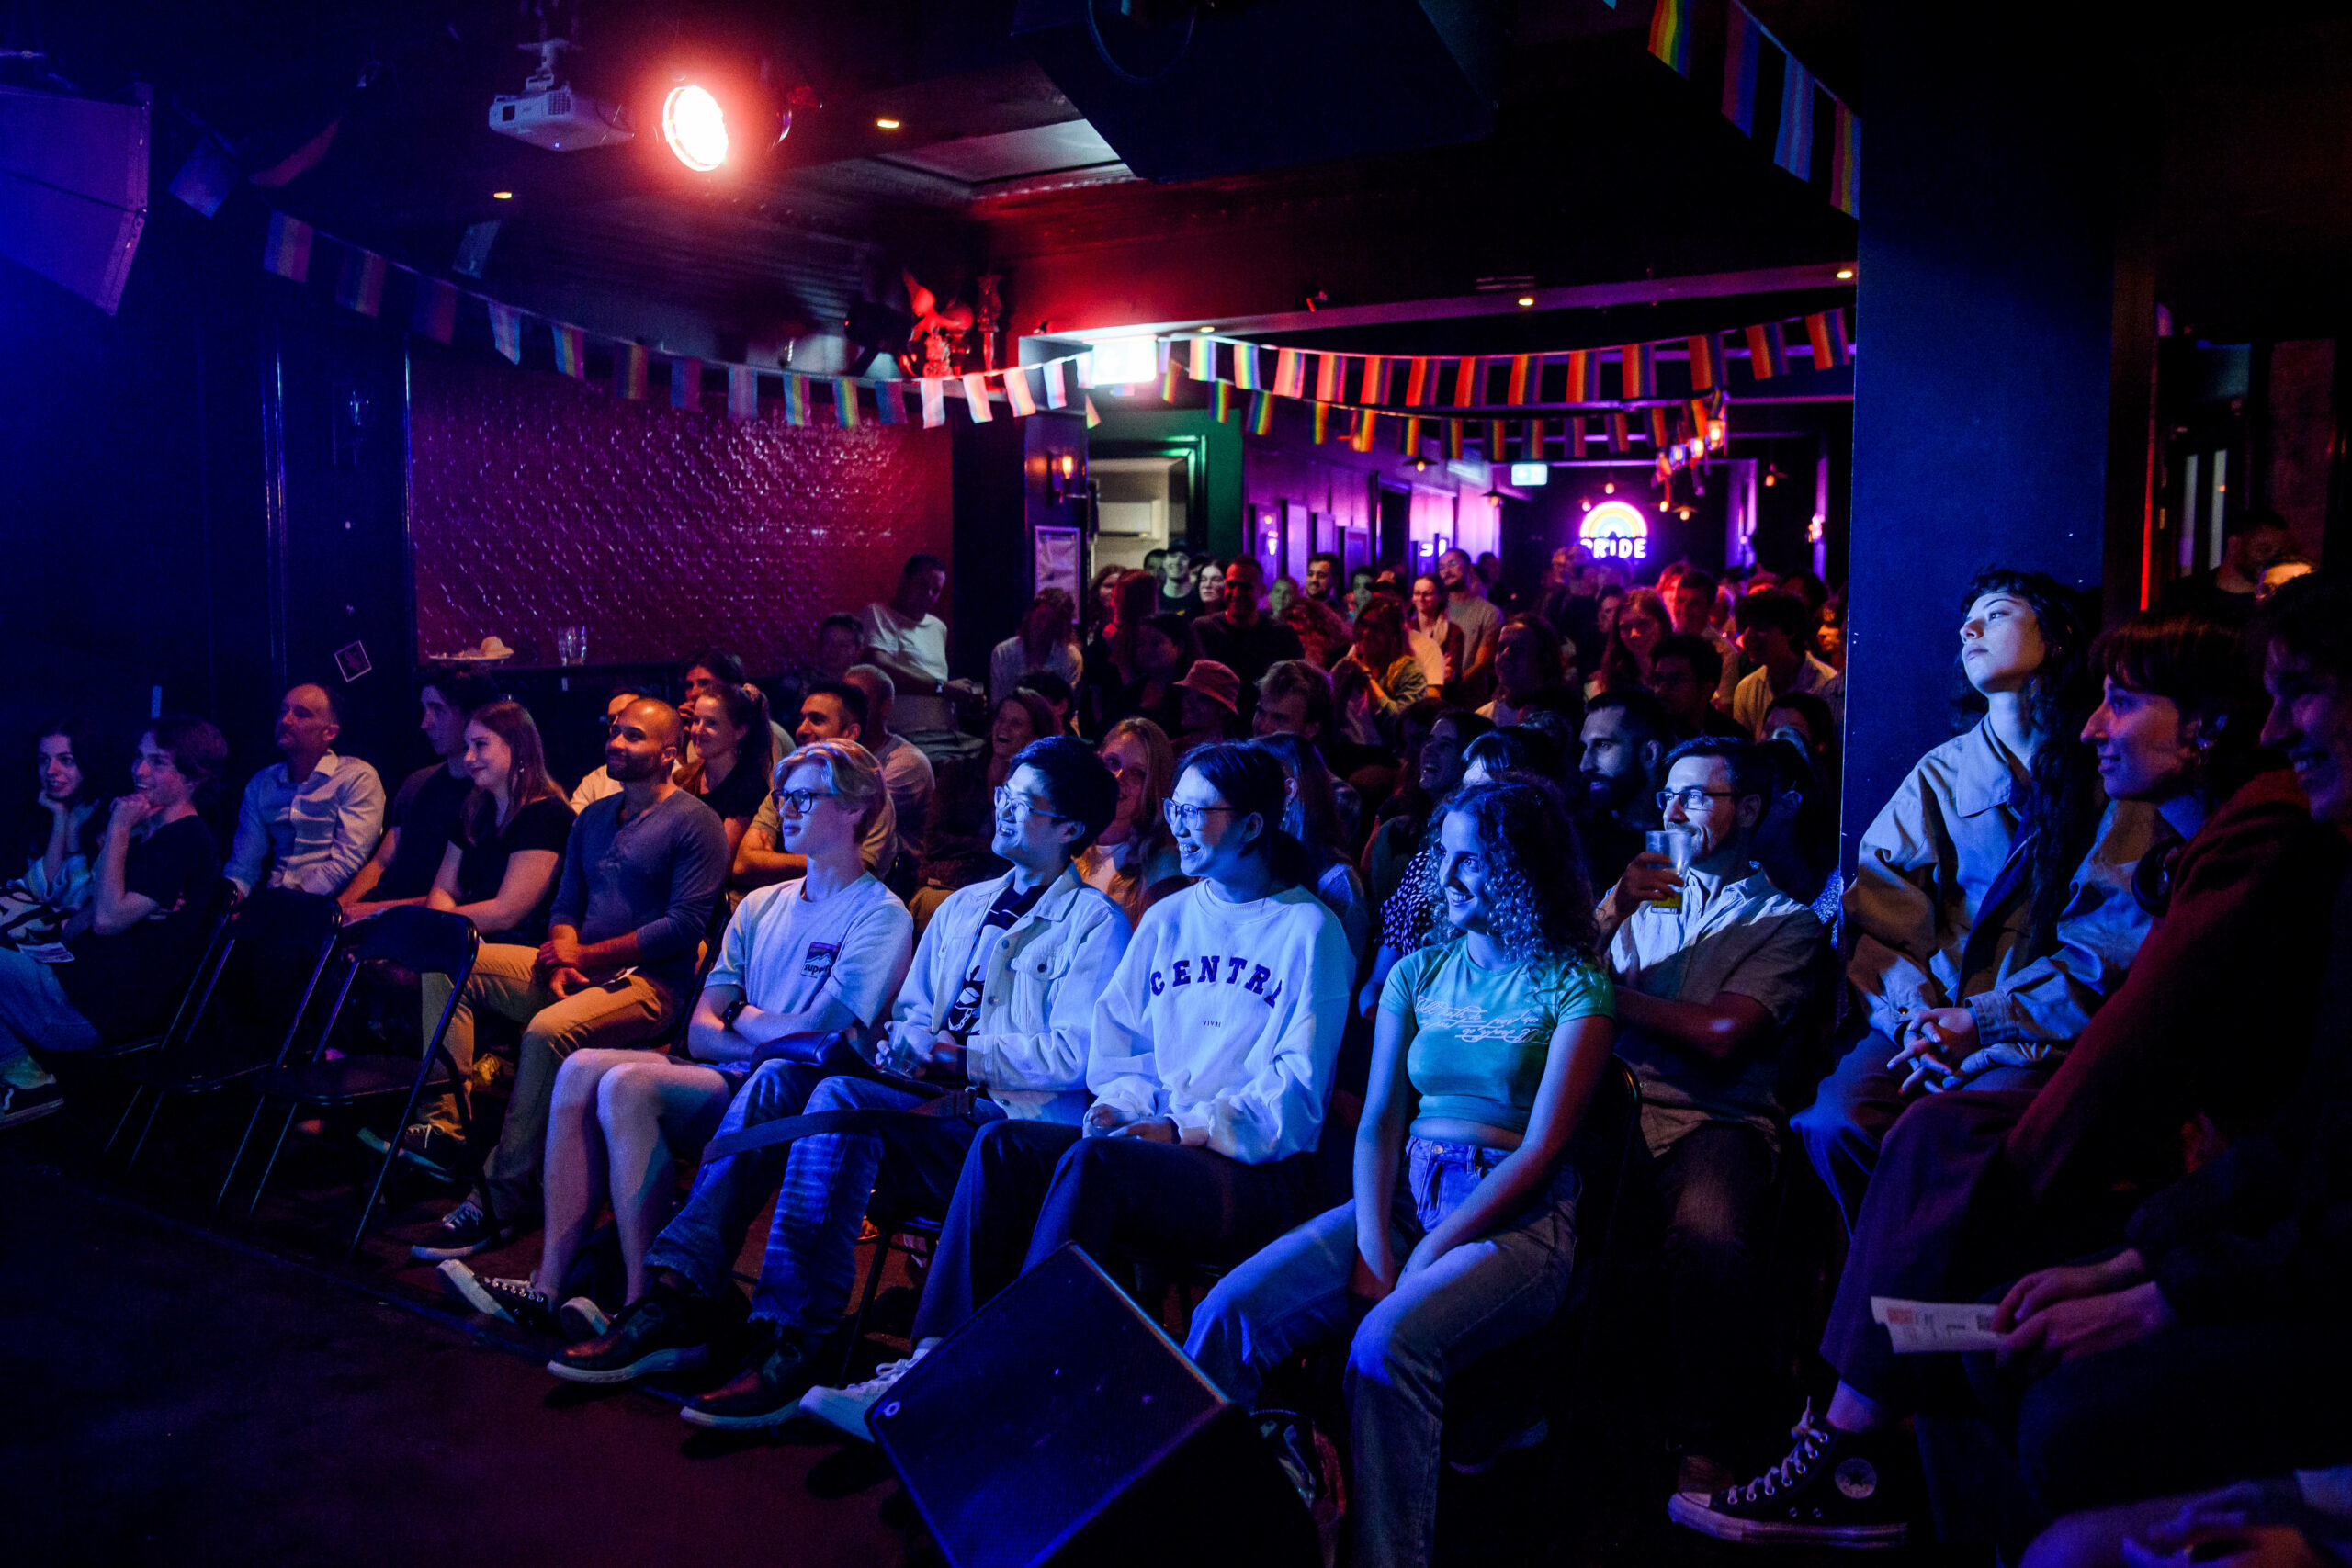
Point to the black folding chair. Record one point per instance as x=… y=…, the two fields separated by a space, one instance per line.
x=99 y=1059
x=891 y=1234
x=272 y=954
x=428 y=941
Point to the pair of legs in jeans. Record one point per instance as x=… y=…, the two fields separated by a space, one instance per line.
x=628 y=1013
x=1476 y=1299
x=35 y=1015
x=822 y=1184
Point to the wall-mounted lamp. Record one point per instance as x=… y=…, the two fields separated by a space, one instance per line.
x=1065 y=478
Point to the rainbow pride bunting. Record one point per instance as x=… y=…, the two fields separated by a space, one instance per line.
x=1323 y=422
x=1290 y=373
x=1846 y=163
x=1376 y=379
x=1328 y=370
x=1670 y=34
x=891 y=402
x=1224 y=396
x=1767 y=351
x=1366 y=431
x=1203 y=365
x=1245 y=366
x=1620 y=438
x=1167 y=375
x=1742 y=52
x=1411 y=444
x=845 y=401
x=1520 y=365
x=1417 y=383
x=1261 y=416
x=1057 y=392
x=685 y=384
x=1575 y=436
x=434 y=313
x=1082 y=368
x=571 y=350
x=1454 y=440
x=1638 y=371
x=795 y=397
x=1706 y=363
x=1017 y=395
x=1584 y=375
x=286 y=251
x=1792 y=148
x=934 y=402
x=1826 y=330
x=1092 y=419
x=975 y=396
x=507 y=331
x=631 y=367
x=1494 y=441
x=744 y=392
x=1660 y=435
x=1466 y=390
x=360 y=285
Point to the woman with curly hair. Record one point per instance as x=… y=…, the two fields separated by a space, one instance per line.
x=1489 y=1048
x=1991 y=909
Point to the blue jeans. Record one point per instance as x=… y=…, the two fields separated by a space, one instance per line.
x=35 y=1014
x=1476 y=1299
x=706 y=1235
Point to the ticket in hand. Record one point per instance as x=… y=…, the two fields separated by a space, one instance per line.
x=1920 y=1326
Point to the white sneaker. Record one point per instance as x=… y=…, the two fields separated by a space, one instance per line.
x=583 y=1319
x=845 y=1409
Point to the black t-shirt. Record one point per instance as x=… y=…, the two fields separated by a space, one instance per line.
x=425 y=812
x=739 y=797
x=1249 y=651
x=481 y=866
x=129 y=984
x=1609 y=847
x=2204 y=596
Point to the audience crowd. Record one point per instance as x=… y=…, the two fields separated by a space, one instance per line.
x=1340 y=945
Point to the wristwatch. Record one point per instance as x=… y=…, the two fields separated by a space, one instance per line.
x=732 y=1011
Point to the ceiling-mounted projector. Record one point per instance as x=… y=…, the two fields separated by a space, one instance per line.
x=551 y=114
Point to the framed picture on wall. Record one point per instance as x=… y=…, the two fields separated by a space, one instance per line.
x=1058 y=560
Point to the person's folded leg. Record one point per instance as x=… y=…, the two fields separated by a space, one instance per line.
x=1292 y=1294
x=1167 y=1200
x=627 y=1014
x=1847 y=1120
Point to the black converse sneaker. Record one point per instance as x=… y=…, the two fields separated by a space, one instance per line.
x=1835 y=1489
x=513 y=1300
x=463 y=1231
x=21 y=1102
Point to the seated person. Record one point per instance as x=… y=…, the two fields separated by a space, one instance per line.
x=1240 y=633
x=1211 y=695
x=1378 y=680
x=1626 y=737
x=963 y=817
x=1295 y=698
x=1527 y=666
x=1211 y=1062
x=1164 y=650
x=821 y=953
x=1001 y=996
x=905 y=769
x=1974 y=1189
x=904 y=640
x=1057 y=697
x=1684 y=674
x=1046 y=642
x=1414 y=904
x=73 y=768
x=834 y=711
x=140 y=936
x=838 y=638
x=732 y=735
x=1776 y=638
x=1460 y=1236
x=1710 y=965
x=311 y=821
x=599 y=783
x=424 y=814
x=640 y=872
x=1312 y=817
x=709 y=670
x=1133 y=862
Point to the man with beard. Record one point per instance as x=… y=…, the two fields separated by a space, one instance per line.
x=1626 y=737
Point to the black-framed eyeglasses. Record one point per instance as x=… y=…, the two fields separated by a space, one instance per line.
x=800 y=800
x=1693 y=798
x=1184 y=816
x=1012 y=804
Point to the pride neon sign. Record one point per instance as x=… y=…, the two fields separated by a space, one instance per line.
x=1615 y=531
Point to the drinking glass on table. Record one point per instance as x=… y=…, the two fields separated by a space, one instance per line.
x=1675 y=844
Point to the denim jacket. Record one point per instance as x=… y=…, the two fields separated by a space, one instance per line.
x=1028 y=1049
x=1919 y=884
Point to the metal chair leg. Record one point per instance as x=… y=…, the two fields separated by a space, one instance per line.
x=293 y=1109
x=229 y=1177
x=128 y=1107
x=865 y=1303
x=140 y=1148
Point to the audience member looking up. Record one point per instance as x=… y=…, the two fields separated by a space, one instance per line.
x=1460 y=1237
x=824 y=952
x=905 y=769
x=1990 y=1001
x=137 y=943
x=1242 y=636
x=310 y=822
x=831 y=711
x=423 y=815
x=1773 y=631
x=1133 y=861
x=1467 y=606
x=1710 y=965
x=1626 y=737
x=908 y=644
x=640 y=872
x=1210 y=1062
x=1047 y=639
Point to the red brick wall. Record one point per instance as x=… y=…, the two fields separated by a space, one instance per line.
x=541 y=503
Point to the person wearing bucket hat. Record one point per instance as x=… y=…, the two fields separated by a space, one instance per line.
x=1212 y=704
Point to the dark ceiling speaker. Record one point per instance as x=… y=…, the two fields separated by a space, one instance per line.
x=1187 y=89
x=73 y=189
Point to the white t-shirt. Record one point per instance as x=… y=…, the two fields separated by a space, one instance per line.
x=786 y=954
x=920 y=645
x=906 y=774
x=1751 y=700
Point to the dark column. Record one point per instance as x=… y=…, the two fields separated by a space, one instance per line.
x=1990 y=419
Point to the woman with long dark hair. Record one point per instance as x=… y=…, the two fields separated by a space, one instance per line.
x=733 y=754
x=1460 y=1236
x=1991 y=910
x=74 y=769
x=1312 y=817
x=1046 y=641
x=1133 y=862
x=500 y=868
x=1110 y=661
x=1643 y=622
x=963 y=813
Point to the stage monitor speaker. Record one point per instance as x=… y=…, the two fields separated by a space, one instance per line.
x=73 y=189
x=1185 y=90
x=1061 y=1426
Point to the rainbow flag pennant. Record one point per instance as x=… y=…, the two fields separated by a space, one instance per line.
x=743 y=391
x=1261 y=416
x=1056 y=393
x=1417 y=383
x=845 y=401
x=1411 y=443
x=507 y=331
x=1742 y=52
x=1466 y=390
x=891 y=402
x=1329 y=367
x=1520 y=363
x=1366 y=432
x=1575 y=436
x=360 y=284
x=630 y=366
x=1620 y=438
x=1017 y=395
x=1827 y=329
x=685 y=383
x=286 y=251
x=1290 y=373
x=975 y=396
x=1767 y=351
x=1376 y=379
x=1494 y=438
x=571 y=350
x=1454 y=440
x=434 y=313
x=1670 y=34
x=1660 y=435
x=934 y=402
x=1092 y=419
x=1167 y=375
x=1224 y=400
x=1204 y=362
x=1706 y=363
x=1639 y=370
x=1322 y=422
x=1083 y=370
x=1584 y=375
x=1245 y=366
x=1846 y=161
x=1792 y=148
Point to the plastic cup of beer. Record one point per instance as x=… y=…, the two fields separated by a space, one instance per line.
x=1674 y=844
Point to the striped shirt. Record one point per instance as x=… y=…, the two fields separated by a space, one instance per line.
x=312 y=835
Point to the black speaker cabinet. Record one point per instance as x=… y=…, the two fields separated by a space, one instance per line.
x=1061 y=1426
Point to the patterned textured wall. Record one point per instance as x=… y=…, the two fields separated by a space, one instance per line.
x=541 y=505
